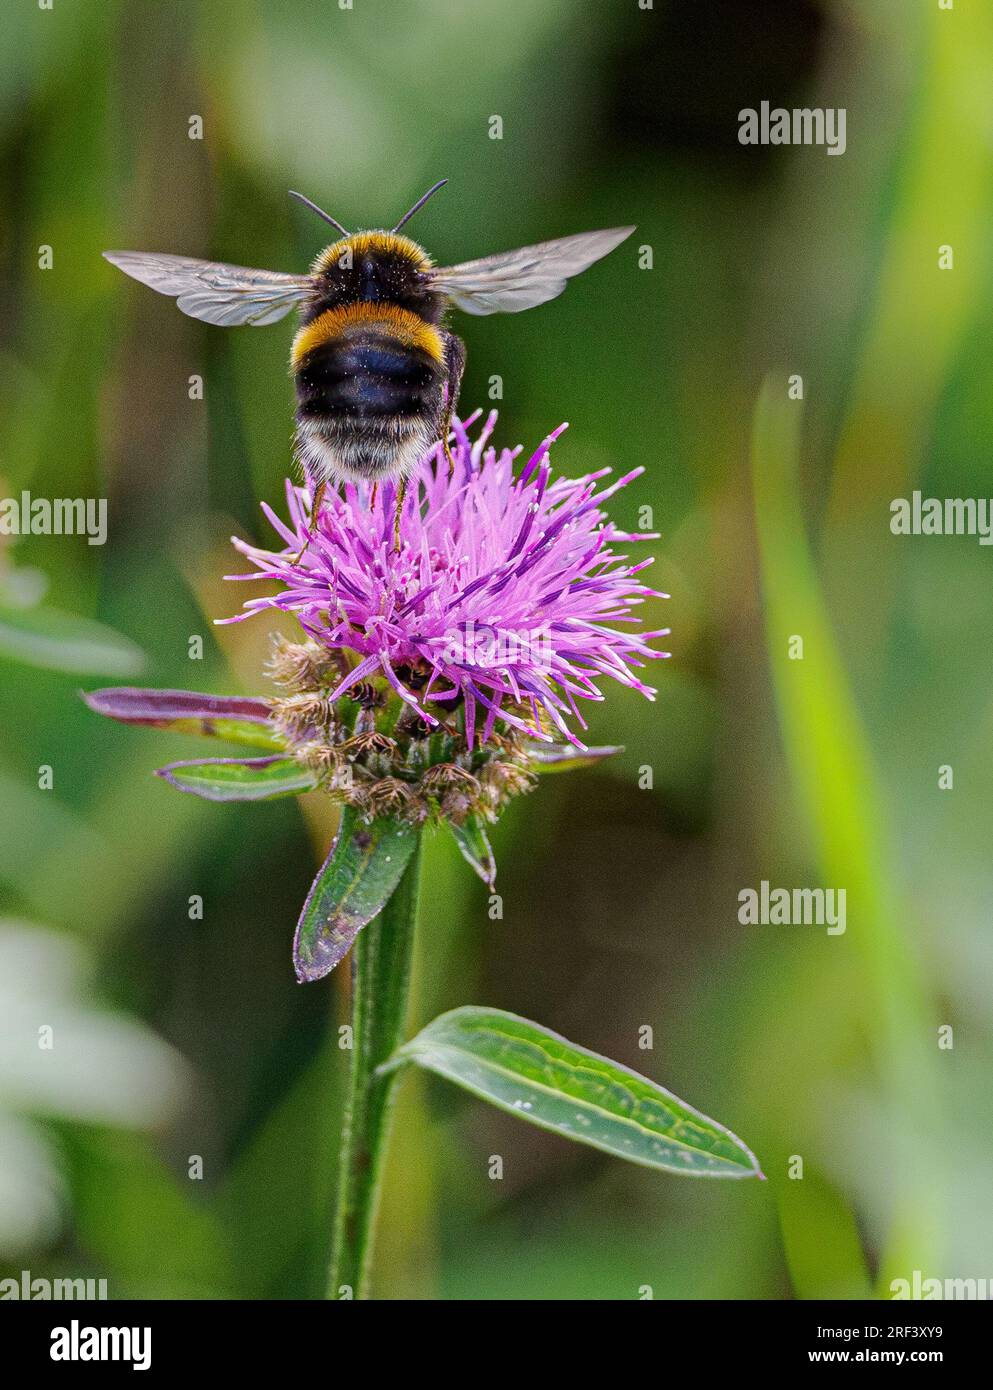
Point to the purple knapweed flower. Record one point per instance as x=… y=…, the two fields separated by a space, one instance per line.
x=437 y=679
x=507 y=603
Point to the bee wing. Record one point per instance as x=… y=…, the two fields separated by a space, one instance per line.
x=515 y=280
x=216 y=293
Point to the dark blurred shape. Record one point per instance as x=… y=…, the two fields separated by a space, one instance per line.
x=683 y=72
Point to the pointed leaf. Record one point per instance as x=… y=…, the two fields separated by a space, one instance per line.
x=474 y=843
x=540 y=1077
x=550 y=757
x=358 y=877
x=239 y=779
x=240 y=719
x=60 y=641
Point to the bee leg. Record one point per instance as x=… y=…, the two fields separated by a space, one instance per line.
x=446 y=429
x=455 y=365
x=303 y=550
x=401 y=494
x=315 y=511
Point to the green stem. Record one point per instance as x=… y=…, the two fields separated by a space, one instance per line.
x=381 y=960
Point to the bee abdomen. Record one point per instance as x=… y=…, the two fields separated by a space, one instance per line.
x=366 y=375
x=369 y=380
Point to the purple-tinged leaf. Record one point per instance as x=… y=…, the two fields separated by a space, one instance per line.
x=547 y=757
x=239 y=779
x=240 y=719
x=358 y=877
x=474 y=843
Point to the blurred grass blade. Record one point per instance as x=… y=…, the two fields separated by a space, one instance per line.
x=238 y=779
x=540 y=1077
x=548 y=758
x=830 y=759
x=59 y=641
x=358 y=877
x=236 y=718
x=474 y=843
x=837 y=789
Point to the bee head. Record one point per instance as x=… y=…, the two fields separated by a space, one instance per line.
x=363 y=249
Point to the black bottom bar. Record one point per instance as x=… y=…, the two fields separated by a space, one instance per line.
x=176 y=1338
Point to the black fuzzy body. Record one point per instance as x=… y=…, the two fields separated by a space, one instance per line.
x=372 y=364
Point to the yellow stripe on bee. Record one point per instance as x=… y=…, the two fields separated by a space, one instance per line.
x=386 y=319
x=371 y=243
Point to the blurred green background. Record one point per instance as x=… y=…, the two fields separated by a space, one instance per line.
x=191 y=1037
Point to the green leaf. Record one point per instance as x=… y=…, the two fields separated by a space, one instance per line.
x=474 y=843
x=59 y=641
x=555 y=757
x=540 y=1077
x=358 y=877
x=239 y=779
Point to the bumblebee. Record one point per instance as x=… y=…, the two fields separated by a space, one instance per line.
x=377 y=372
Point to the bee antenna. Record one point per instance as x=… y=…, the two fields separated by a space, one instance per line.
x=320 y=211
x=419 y=204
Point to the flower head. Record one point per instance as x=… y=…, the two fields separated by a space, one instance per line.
x=434 y=681
x=498 y=612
